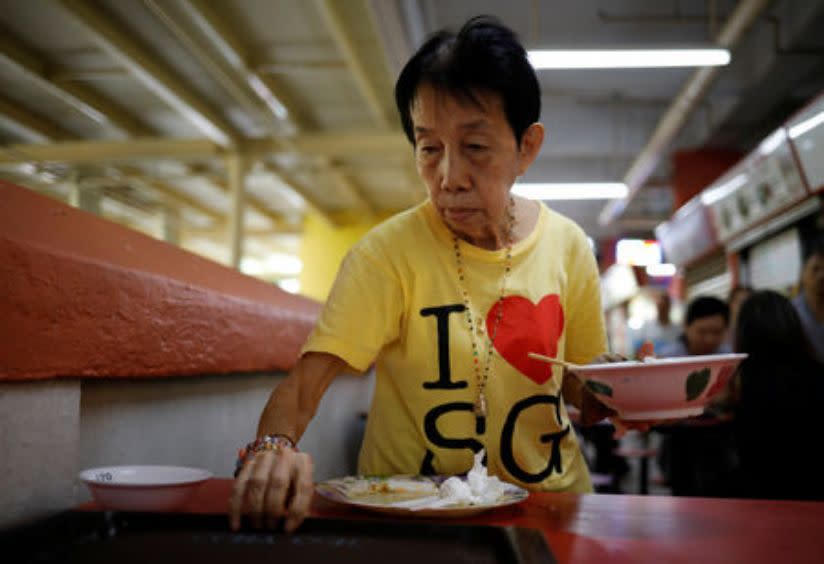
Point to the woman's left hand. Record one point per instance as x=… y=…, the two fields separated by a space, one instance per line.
x=592 y=409
x=621 y=425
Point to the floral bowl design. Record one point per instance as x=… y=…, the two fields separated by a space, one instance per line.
x=660 y=388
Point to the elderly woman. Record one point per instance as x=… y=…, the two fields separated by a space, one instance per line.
x=448 y=298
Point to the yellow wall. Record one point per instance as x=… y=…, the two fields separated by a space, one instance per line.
x=323 y=247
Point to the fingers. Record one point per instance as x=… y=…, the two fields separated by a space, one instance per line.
x=248 y=489
x=593 y=409
x=609 y=357
x=303 y=491
x=238 y=495
x=278 y=484
x=257 y=488
x=273 y=486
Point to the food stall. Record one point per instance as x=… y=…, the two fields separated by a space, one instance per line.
x=689 y=240
x=756 y=215
x=758 y=208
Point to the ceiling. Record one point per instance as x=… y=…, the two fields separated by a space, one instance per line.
x=152 y=104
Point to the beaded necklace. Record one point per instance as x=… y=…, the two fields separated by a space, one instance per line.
x=476 y=324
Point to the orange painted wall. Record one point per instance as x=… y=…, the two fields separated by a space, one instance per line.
x=84 y=297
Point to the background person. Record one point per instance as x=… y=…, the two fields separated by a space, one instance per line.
x=777 y=413
x=737 y=296
x=696 y=456
x=810 y=301
x=705 y=329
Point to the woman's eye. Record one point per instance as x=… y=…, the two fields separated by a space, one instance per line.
x=476 y=147
x=428 y=149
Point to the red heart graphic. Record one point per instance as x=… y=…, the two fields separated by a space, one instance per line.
x=524 y=328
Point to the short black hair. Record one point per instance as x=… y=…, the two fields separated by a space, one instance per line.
x=484 y=56
x=769 y=326
x=707 y=306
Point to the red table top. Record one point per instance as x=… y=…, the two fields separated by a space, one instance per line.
x=627 y=528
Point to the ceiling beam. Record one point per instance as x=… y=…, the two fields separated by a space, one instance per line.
x=144 y=65
x=220 y=231
x=381 y=144
x=339 y=144
x=183 y=31
x=255 y=202
x=672 y=120
x=353 y=190
x=167 y=191
x=109 y=151
x=174 y=195
x=32 y=125
x=391 y=22
x=300 y=190
x=329 y=13
x=88 y=102
x=233 y=51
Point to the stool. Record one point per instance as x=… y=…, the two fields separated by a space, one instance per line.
x=644 y=455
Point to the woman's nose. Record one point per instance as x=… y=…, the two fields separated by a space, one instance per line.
x=452 y=171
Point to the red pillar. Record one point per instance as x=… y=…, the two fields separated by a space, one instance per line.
x=695 y=169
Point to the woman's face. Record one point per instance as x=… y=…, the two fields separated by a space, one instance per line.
x=467 y=155
x=812 y=279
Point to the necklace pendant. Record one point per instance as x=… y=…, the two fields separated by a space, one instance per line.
x=480 y=329
x=480 y=406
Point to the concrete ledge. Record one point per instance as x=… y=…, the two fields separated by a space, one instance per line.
x=82 y=296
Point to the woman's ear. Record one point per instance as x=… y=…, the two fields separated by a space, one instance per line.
x=531 y=142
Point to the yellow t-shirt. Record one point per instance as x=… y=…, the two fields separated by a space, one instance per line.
x=397 y=302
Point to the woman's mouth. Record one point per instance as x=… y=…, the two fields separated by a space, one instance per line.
x=459 y=215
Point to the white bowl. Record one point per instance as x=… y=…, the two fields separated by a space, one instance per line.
x=660 y=388
x=143 y=488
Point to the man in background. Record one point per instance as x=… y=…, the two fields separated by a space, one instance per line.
x=696 y=456
x=705 y=329
x=810 y=301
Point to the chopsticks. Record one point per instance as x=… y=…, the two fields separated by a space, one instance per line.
x=550 y=360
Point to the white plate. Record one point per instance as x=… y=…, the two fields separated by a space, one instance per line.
x=388 y=495
x=143 y=487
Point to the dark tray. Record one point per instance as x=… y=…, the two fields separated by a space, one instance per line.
x=123 y=538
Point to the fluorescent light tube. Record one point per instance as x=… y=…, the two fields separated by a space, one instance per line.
x=571 y=190
x=806 y=125
x=627 y=58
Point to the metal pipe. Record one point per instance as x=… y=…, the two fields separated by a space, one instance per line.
x=236 y=172
x=674 y=118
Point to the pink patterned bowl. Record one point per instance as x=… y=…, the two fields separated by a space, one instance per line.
x=660 y=388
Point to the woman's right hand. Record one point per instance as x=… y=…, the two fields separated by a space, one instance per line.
x=273 y=486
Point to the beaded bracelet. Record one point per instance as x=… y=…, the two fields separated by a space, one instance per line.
x=274 y=443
